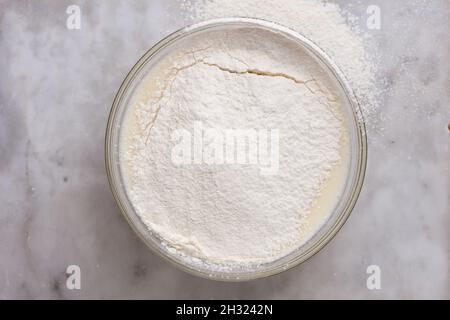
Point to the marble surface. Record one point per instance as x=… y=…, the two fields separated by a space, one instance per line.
x=56 y=209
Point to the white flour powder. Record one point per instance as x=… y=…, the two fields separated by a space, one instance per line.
x=325 y=23
x=231 y=214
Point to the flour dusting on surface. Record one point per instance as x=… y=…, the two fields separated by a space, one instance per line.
x=335 y=30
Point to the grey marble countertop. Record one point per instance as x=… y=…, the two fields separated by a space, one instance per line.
x=56 y=209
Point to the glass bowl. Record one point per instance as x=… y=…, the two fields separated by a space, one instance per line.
x=345 y=204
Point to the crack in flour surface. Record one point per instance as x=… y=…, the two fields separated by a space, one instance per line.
x=174 y=153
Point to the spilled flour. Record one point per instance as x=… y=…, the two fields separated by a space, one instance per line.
x=208 y=200
x=333 y=29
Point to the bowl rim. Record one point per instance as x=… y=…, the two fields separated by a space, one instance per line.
x=362 y=151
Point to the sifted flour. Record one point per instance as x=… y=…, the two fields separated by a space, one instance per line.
x=336 y=31
x=229 y=213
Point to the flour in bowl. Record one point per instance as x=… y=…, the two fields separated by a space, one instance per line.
x=235 y=147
